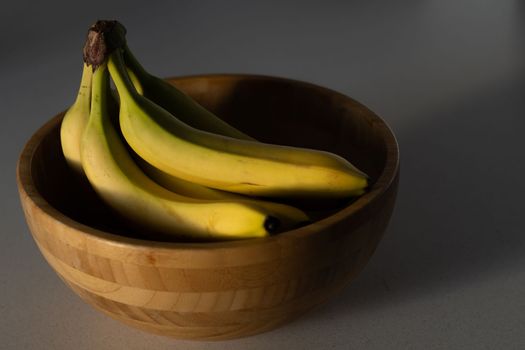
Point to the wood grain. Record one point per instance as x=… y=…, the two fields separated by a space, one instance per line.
x=217 y=290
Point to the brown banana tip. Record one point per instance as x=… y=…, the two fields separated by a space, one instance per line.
x=272 y=224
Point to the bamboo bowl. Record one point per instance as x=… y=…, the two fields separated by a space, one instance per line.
x=212 y=291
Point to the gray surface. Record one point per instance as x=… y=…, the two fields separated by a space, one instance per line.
x=448 y=76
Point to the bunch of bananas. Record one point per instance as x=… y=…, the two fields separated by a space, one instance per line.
x=170 y=166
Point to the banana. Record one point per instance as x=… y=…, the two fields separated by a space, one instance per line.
x=289 y=215
x=225 y=163
x=187 y=110
x=75 y=120
x=175 y=101
x=117 y=179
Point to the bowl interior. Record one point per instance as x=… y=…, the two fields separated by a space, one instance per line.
x=270 y=109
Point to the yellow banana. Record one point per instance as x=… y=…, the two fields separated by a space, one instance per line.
x=75 y=120
x=118 y=180
x=290 y=216
x=186 y=109
x=225 y=163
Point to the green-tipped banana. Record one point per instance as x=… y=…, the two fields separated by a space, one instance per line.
x=225 y=163
x=118 y=180
x=175 y=101
x=75 y=121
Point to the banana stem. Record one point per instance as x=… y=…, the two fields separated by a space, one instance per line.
x=133 y=63
x=84 y=91
x=99 y=92
x=120 y=76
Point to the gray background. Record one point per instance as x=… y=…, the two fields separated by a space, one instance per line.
x=448 y=76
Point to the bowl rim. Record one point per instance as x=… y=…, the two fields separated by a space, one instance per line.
x=383 y=183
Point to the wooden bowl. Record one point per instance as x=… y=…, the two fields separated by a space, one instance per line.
x=218 y=290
